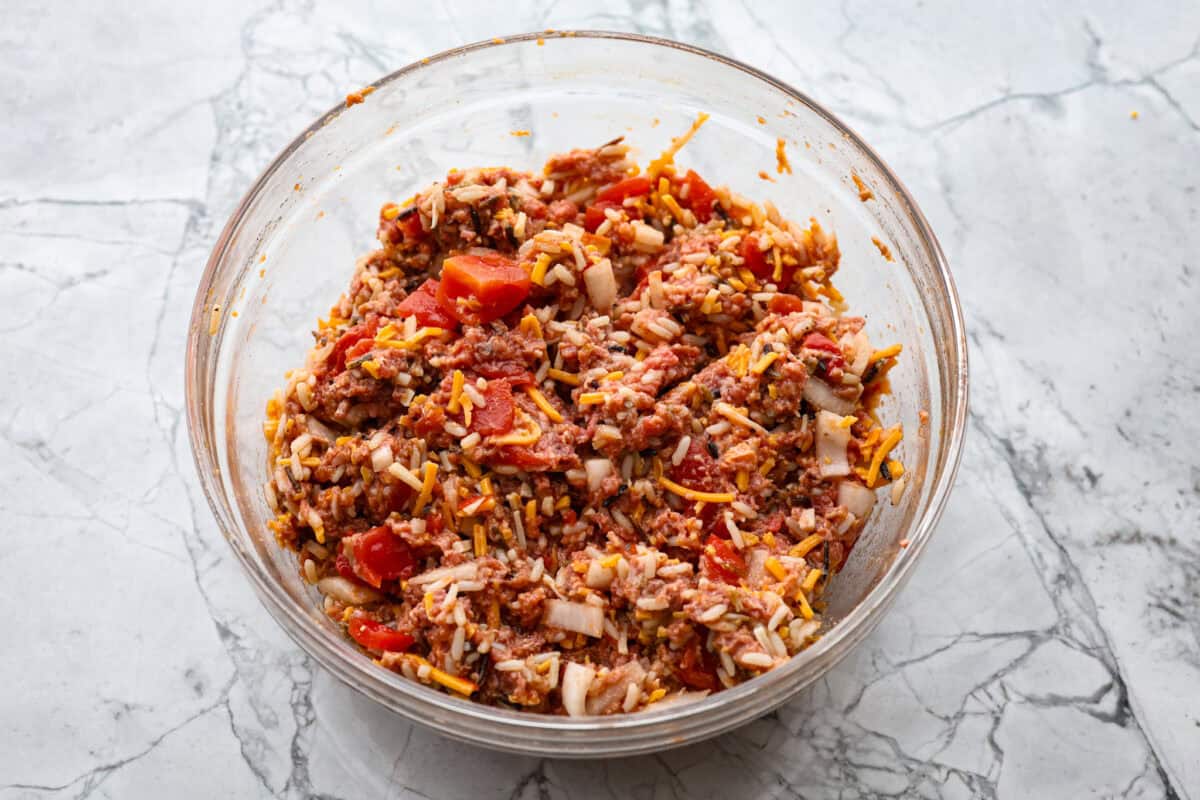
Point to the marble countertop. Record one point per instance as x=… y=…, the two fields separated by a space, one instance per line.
x=1047 y=645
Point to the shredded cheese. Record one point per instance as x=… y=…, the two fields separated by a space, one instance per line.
x=541 y=402
x=775 y=568
x=538 y=273
x=805 y=609
x=764 y=363
x=591 y=398
x=452 y=682
x=886 y=352
x=532 y=325
x=810 y=580
x=456 y=387
x=695 y=494
x=563 y=377
x=737 y=417
x=426 y=488
x=667 y=159
x=805 y=546
x=480 y=540
x=891 y=440
x=411 y=342
x=529 y=434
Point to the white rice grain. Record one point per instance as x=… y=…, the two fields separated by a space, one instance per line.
x=755 y=660
x=681 y=450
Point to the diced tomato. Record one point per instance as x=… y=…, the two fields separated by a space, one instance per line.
x=697 y=667
x=410 y=226
x=721 y=561
x=377 y=636
x=697 y=469
x=700 y=196
x=496 y=415
x=522 y=457
x=379 y=555
x=360 y=332
x=629 y=187
x=477 y=289
x=359 y=348
x=817 y=341
x=397 y=495
x=720 y=529
x=782 y=303
x=755 y=259
x=594 y=216
x=423 y=305
x=514 y=371
x=342 y=565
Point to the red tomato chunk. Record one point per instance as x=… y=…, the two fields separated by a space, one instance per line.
x=721 y=561
x=477 y=288
x=423 y=305
x=630 y=187
x=377 y=636
x=379 y=555
x=362 y=335
x=496 y=416
x=700 y=196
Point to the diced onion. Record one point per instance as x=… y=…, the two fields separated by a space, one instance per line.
x=820 y=394
x=577 y=679
x=348 y=591
x=462 y=572
x=832 y=439
x=597 y=470
x=631 y=673
x=861 y=346
x=598 y=577
x=601 y=285
x=575 y=617
x=381 y=458
x=857 y=499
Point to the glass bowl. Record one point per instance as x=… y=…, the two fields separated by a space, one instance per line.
x=289 y=249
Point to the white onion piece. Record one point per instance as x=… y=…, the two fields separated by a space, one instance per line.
x=628 y=674
x=348 y=591
x=860 y=345
x=598 y=577
x=832 y=439
x=462 y=572
x=597 y=470
x=381 y=458
x=319 y=429
x=601 y=285
x=577 y=679
x=857 y=499
x=820 y=394
x=575 y=617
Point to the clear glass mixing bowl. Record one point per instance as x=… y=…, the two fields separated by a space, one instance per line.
x=289 y=249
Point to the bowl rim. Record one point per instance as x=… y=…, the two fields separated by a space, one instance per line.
x=380 y=685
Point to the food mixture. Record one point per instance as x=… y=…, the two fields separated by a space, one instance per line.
x=582 y=441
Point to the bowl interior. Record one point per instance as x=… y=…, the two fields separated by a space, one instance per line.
x=290 y=250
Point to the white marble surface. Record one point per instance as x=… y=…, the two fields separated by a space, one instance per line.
x=1048 y=645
